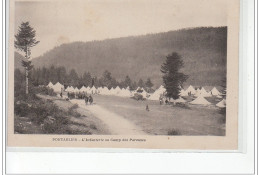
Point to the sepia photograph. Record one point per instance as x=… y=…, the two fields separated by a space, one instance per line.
x=124 y=68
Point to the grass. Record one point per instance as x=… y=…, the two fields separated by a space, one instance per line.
x=187 y=120
x=38 y=116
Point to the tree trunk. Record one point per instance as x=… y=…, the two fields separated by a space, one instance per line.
x=26 y=81
x=26 y=73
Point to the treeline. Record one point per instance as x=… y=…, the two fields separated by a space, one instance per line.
x=42 y=76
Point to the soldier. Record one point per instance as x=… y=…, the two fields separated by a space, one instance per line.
x=86 y=99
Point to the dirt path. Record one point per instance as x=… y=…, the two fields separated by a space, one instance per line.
x=117 y=124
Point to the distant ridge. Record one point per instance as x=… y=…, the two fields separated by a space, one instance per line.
x=203 y=50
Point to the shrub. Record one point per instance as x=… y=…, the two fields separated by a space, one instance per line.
x=174 y=132
x=138 y=97
x=44 y=91
x=21 y=109
x=92 y=126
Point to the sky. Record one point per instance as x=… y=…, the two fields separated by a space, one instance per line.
x=63 y=21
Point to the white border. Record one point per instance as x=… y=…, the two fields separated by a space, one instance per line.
x=217 y=163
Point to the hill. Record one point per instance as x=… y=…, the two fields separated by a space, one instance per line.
x=203 y=50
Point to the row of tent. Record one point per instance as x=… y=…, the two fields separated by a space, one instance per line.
x=199 y=93
x=159 y=93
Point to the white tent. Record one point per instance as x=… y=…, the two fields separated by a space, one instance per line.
x=215 y=92
x=70 y=89
x=202 y=92
x=221 y=104
x=117 y=90
x=99 y=90
x=88 y=90
x=183 y=93
x=159 y=92
x=144 y=93
x=76 y=90
x=200 y=101
x=105 y=91
x=179 y=100
x=58 y=87
x=112 y=91
x=191 y=90
x=83 y=89
x=93 y=90
x=50 y=85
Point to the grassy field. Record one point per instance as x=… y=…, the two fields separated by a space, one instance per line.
x=167 y=119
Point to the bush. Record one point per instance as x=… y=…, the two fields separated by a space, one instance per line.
x=138 y=97
x=21 y=109
x=44 y=91
x=92 y=126
x=174 y=132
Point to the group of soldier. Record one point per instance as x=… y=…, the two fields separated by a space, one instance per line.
x=80 y=95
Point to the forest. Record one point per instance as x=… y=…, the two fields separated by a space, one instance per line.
x=203 y=50
x=42 y=76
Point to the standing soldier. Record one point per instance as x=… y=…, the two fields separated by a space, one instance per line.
x=86 y=100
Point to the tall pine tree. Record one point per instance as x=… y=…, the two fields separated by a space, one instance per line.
x=24 y=41
x=173 y=78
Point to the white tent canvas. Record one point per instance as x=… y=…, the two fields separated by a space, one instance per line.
x=144 y=94
x=112 y=91
x=105 y=91
x=183 y=93
x=70 y=89
x=200 y=100
x=159 y=92
x=99 y=90
x=191 y=90
x=221 y=104
x=76 y=90
x=58 y=87
x=50 y=85
x=179 y=100
x=93 y=90
x=215 y=92
x=83 y=89
x=117 y=90
x=202 y=92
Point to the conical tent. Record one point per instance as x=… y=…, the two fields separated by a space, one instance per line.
x=221 y=104
x=191 y=90
x=70 y=89
x=83 y=89
x=215 y=92
x=93 y=90
x=50 y=85
x=99 y=90
x=183 y=93
x=112 y=91
x=180 y=100
x=117 y=90
x=159 y=92
x=144 y=94
x=202 y=92
x=76 y=90
x=105 y=91
x=58 y=87
x=200 y=100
